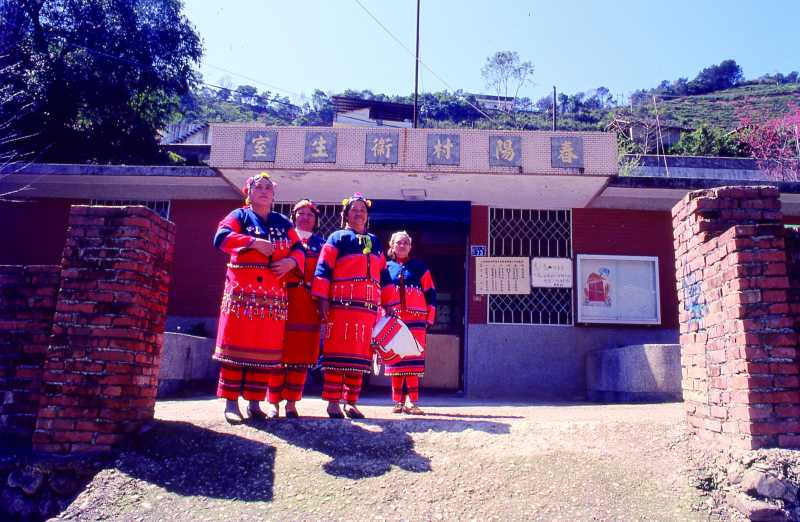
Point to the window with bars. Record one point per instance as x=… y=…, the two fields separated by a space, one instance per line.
x=328 y=215
x=531 y=233
x=160 y=207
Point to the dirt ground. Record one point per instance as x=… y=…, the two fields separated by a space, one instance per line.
x=464 y=460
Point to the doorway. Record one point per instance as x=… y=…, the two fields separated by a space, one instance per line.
x=439 y=231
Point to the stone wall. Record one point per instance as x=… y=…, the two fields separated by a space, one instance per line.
x=101 y=373
x=738 y=340
x=27 y=303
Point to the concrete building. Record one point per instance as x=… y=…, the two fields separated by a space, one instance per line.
x=357 y=112
x=541 y=253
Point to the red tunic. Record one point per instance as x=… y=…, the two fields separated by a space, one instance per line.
x=254 y=304
x=301 y=340
x=408 y=289
x=348 y=275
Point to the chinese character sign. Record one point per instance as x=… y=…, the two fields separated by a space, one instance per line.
x=381 y=147
x=444 y=149
x=505 y=151
x=502 y=275
x=320 y=147
x=566 y=152
x=260 y=145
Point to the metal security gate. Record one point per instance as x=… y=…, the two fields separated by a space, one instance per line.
x=531 y=233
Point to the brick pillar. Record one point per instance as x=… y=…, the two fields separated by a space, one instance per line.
x=738 y=342
x=101 y=373
x=27 y=304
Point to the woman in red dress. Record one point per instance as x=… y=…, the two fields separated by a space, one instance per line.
x=407 y=291
x=301 y=340
x=347 y=289
x=264 y=247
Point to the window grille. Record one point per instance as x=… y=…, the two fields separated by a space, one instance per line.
x=160 y=207
x=531 y=233
x=328 y=215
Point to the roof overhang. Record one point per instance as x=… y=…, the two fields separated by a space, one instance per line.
x=501 y=190
x=118 y=182
x=645 y=193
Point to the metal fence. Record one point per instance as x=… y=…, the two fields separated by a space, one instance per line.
x=531 y=233
x=160 y=207
x=328 y=215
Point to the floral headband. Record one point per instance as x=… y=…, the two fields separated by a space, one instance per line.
x=306 y=203
x=358 y=196
x=252 y=180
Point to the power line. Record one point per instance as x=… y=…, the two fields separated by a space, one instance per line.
x=253 y=80
x=411 y=53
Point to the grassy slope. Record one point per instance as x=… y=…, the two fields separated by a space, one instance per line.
x=725 y=108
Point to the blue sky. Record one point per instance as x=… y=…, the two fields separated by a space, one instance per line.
x=300 y=45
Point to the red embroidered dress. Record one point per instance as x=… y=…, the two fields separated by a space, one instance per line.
x=254 y=304
x=408 y=288
x=301 y=340
x=348 y=275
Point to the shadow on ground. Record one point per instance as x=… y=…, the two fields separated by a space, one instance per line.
x=191 y=460
x=369 y=447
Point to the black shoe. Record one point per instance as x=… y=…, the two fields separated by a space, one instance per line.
x=233 y=417
x=353 y=412
x=256 y=415
x=292 y=414
x=335 y=414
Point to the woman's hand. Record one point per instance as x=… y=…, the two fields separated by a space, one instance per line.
x=322 y=307
x=282 y=267
x=263 y=246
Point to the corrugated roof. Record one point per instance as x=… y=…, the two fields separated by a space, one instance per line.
x=378 y=110
x=177 y=132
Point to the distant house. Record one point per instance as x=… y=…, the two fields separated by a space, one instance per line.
x=356 y=112
x=654 y=136
x=191 y=141
x=495 y=103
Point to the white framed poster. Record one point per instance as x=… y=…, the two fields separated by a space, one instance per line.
x=502 y=275
x=551 y=272
x=618 y=289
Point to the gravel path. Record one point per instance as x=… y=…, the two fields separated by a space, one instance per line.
x=463 y=461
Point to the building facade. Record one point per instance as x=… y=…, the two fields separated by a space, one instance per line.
x=540 y=252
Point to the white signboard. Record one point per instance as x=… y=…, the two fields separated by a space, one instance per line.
x=551 y=272
x=502 y=275
x=618 y=289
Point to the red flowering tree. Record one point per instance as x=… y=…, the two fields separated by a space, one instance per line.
x=775 y=144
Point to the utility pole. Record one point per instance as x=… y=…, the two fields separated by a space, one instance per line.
x=554 y=108
x=416 y=73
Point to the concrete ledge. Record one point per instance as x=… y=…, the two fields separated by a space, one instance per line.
x=186 y=364
x=636 y=373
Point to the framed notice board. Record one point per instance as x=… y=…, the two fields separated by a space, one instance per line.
x=618 y=289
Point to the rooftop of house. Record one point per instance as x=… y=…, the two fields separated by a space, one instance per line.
x=378 y=110
x=178 y=132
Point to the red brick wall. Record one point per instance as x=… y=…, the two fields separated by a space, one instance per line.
x=478 y=235
x=631 y=233
x=738 y=339
x=101 y=374
x=34 y=231
x=198 y=273
x=27 y=304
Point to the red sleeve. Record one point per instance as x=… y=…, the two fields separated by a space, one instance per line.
x=229 y=237
x=297 y=252
x=430 y=296
x=323 y=275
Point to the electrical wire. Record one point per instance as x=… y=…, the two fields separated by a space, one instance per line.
x=396 y=39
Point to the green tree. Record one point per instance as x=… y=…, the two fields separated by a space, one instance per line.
x=716 y=78
x=102 y=75
x=505 y=74
x=708 y=141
